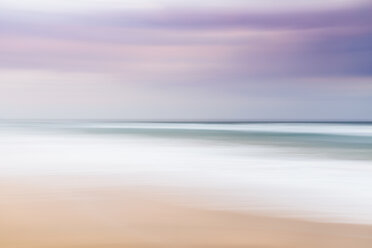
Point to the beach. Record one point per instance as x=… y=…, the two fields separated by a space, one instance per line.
x=186 y=124
x=85 y=184
x=43 y=216
x=316 y=171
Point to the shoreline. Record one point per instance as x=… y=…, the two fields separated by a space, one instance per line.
x=206 y=198
x=38 y=216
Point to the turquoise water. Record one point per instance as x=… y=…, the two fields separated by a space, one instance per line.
x=316 y=170
x=347 y=140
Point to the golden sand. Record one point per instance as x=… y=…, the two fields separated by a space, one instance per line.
x=36 y=217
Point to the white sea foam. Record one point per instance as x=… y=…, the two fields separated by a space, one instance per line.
x=277 y=179
x=314 y=128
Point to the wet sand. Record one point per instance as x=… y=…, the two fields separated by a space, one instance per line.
x=111 y=217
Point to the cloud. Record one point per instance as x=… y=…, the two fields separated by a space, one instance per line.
x=200 y=45
x=207 y=19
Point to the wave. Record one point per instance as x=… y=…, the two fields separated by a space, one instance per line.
x=316 y=170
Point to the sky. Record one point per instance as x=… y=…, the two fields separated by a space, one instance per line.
x=185 y=60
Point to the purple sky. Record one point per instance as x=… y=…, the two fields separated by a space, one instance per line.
x=159 y=60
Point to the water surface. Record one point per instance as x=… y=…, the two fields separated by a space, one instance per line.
x=313 y=170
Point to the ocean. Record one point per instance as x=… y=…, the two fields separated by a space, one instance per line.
x=316 y=170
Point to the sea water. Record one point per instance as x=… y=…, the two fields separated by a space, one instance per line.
x=314 y=170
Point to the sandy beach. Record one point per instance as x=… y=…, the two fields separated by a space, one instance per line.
x=39 y=216
x=186 y=124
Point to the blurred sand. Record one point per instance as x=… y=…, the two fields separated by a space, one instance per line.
x=36 y=217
